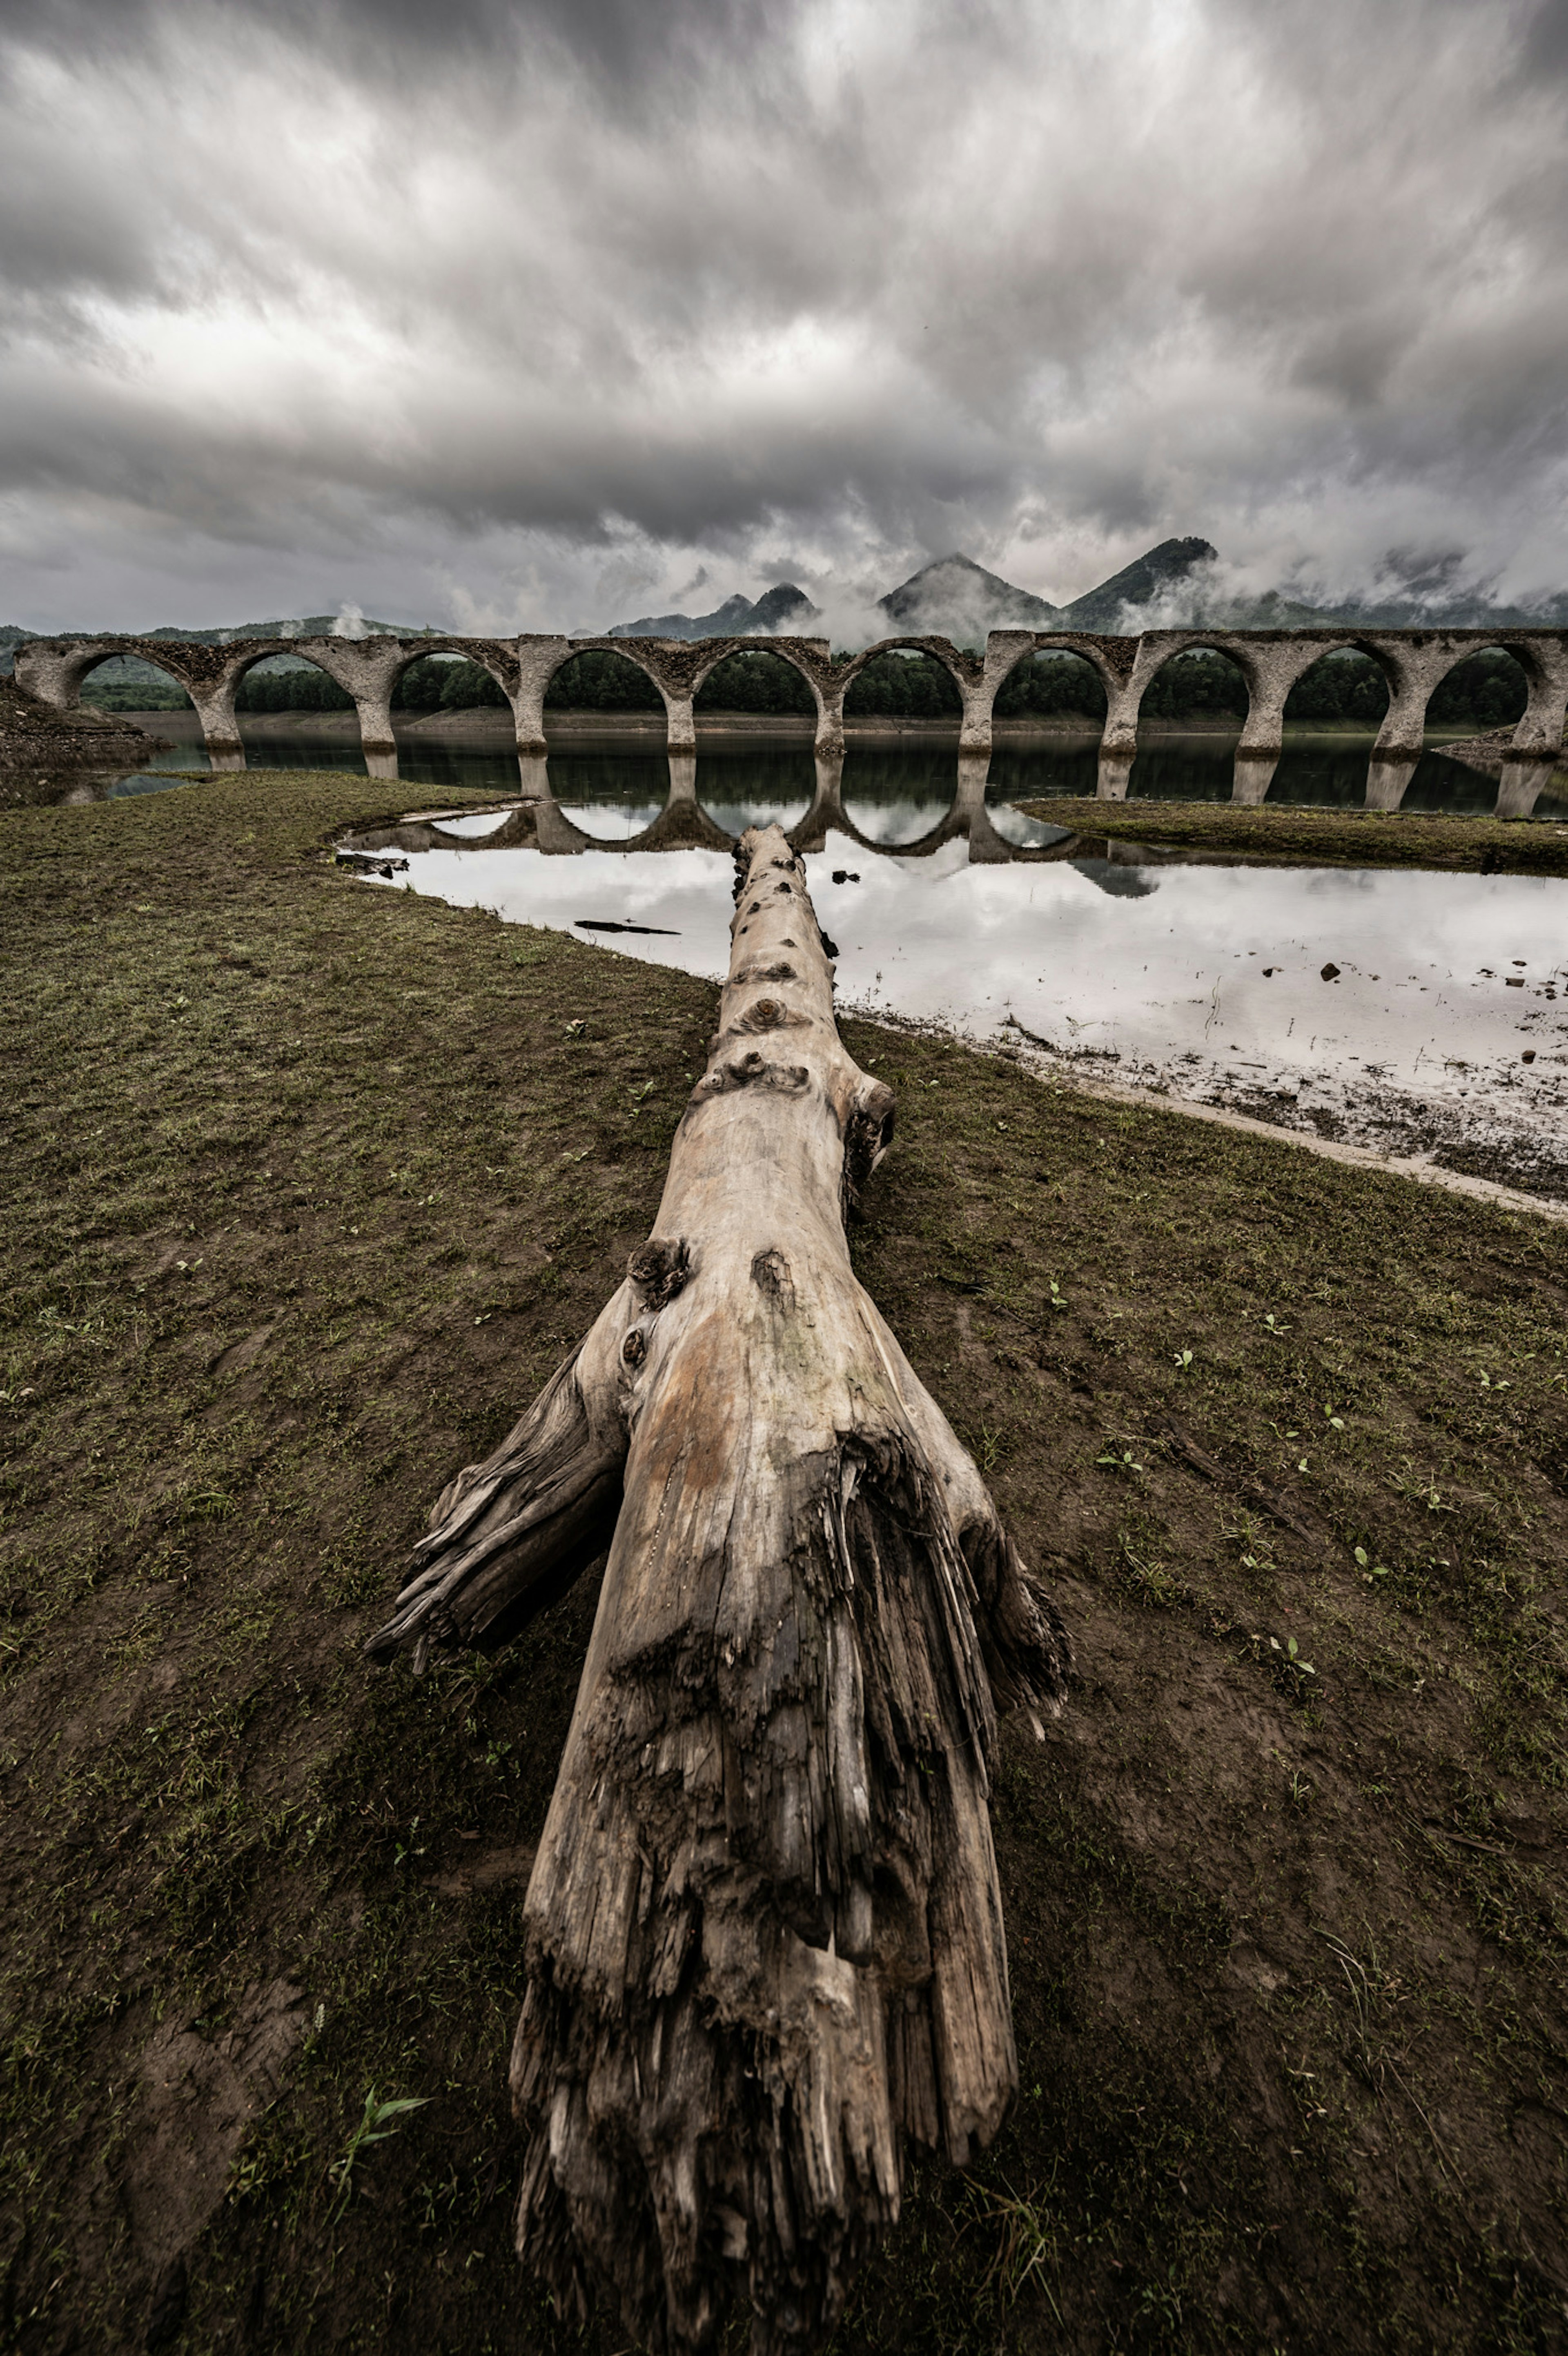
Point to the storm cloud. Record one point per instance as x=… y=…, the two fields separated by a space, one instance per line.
x=538 y=317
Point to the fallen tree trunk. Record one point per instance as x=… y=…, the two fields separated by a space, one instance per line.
x=763 y=1941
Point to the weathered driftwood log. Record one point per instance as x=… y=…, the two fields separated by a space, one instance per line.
x=764 y=1941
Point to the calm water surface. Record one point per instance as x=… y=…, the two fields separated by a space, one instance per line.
x=1424 y=1014
x=894 y=794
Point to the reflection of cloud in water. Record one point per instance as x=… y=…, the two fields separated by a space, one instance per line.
x=611 y=821
x=477 y=823
x=895 y=821
x=1024 y=833
x=1209 y=985
x=735 y=817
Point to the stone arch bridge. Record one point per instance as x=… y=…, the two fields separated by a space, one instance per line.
x=1413 y=662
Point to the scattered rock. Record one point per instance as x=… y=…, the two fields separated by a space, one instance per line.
x=1330 y=973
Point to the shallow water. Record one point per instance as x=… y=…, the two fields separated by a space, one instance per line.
x=892 y=793
x=1367 y=1003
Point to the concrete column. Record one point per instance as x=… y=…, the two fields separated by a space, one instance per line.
x=381 y=763
x=680 y=723
x=539 y=657
x=219 y=727
x=1119 y=734
x=969 y=815
x=827 y=804
x=974 y=728
x=1524 y=780
x=829 y=742
x=682 y=777
x=1254 y=774
x=1119 y=738
x=1003 y=649
x=373 y=705
x=1264 y=731
x=1402 y=738
x=1541 y=729
x=1386 y=780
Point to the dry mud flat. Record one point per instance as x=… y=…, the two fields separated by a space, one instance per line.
x=310 y=1185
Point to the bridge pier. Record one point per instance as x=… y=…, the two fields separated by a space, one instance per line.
x=828 y=742
x=1115 y=773
x=679 y=725
x=1253 y=775
x=827 y=805
x=219 y=725
x=1540 y=732
x=1524 y=779
x=376 y=739
x=539 y=657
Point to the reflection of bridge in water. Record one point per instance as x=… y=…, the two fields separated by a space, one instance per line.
x=1413 y=663
x=538 y=822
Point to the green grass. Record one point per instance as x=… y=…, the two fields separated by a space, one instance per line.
x=310 y=1183
x=1356 y=838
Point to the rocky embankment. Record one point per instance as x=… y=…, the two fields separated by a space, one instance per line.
x=1486 y=752
x=34 y=735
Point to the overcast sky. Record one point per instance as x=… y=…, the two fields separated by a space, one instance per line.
x=524 y=316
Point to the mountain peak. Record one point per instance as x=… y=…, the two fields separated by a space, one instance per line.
x=784 y=607
x=1138 y=584
x=954 y=597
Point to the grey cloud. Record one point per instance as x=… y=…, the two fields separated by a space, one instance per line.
x=536 y=301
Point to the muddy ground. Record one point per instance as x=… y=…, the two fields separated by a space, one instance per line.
x=308 y=1185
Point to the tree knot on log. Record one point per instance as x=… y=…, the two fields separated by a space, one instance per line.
x=770 y=1274
x=753 y=1071
x=634 y=1349
x=660 y=1268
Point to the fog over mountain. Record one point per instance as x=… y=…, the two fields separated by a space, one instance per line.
x=522 y=313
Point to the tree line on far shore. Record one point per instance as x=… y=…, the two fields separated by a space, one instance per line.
x=1487 y=691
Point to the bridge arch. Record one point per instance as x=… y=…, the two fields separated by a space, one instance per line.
x=1054 y=677
x=743 y=649
x=1223 y=685
x=491 y=656
x=121 y=689
x=255 y=688
x=960 y=669
x=1492 y=687
x=1322 y=687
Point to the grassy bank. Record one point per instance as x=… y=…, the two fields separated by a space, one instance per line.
x=309 y=1185
x=1329 y=837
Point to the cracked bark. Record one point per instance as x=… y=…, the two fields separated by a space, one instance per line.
x=763 y=1934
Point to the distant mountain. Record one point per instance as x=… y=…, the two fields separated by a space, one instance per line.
x=956 y=598
x=785 y=608
x=1138 y=584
